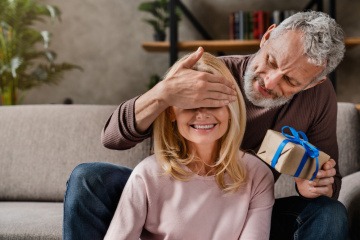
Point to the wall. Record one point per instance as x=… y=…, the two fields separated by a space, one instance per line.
x=105 y=37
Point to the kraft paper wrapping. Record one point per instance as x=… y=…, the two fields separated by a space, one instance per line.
x=290 y=157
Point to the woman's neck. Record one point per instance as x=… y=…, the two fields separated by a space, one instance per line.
x=206 y=157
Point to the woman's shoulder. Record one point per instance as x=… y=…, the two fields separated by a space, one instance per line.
x=255 y=166
x=148 y=166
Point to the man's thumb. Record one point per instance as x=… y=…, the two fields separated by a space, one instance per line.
x=193 y=58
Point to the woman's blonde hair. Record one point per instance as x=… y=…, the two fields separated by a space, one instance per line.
x=170 y=147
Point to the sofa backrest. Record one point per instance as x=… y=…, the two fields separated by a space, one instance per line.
x=41 y=145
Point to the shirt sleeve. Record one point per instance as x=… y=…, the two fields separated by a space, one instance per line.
x=131 y=212
x=120 y=131
x=258 y=220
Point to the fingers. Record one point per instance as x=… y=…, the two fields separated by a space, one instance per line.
x=217 y=83
x=223 y=85
x=190 y=61
x=329 y=164
x=326 y=173
x=304 y=187
x=214 y=103
x=327 y=170
x=324 y=190
x=323 y=186
x=322 y=182
x=316 y=188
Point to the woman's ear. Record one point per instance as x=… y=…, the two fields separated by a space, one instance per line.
x=266 y=35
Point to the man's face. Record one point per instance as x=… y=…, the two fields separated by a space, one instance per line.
x=279 y=70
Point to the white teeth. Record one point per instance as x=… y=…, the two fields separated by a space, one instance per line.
x=204 y=126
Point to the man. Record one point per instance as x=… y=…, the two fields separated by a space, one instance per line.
x=284 y=84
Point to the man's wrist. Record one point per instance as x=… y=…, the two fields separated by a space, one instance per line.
x=147 y=108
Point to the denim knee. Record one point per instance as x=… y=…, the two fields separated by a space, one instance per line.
x=327 y=217
x=332 y=212
x=90 y=175
x=93 y=191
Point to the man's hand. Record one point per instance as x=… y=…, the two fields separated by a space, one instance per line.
x=322 y=184
x=186 y=88
x=183 y=88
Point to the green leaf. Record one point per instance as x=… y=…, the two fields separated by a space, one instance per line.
x=14 y=65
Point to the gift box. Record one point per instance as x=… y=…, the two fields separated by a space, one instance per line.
x=291 y=154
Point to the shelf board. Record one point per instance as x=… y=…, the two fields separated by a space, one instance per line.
x=352 y=42
x=222 y=45
x=208 y=45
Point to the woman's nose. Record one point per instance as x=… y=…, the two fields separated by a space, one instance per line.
x=202 y=113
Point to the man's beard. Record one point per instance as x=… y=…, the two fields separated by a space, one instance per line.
x=256 y=97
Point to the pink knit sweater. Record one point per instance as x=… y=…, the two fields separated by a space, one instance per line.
x=155 y=206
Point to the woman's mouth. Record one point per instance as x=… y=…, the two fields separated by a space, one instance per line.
x=203 y=126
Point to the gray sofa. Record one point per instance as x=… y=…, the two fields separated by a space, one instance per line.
x=41 y=145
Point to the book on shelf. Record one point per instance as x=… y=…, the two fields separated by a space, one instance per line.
x=247 y=25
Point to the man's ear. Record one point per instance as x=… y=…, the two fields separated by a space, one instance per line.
x=316 y=83
x=267 y=34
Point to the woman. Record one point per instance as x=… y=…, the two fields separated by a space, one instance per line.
x=197 y=185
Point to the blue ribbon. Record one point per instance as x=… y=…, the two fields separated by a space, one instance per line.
x=298 y=137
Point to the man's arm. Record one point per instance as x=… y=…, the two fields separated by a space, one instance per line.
x=184 y=88
x=322 y=134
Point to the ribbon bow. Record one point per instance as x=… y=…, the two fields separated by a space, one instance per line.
x=298 y=137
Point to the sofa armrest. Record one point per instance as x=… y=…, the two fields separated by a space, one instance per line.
x=350 y=197
x=350 y=189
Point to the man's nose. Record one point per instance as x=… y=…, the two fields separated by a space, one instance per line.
x=272 y=79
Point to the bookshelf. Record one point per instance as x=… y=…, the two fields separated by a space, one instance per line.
x=240 y=46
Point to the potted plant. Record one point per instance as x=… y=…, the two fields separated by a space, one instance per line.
x=25 y=58
x=161 y=17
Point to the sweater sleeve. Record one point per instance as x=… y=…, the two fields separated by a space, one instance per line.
x=130 y=214
x=120 y=129
x=258 y=220
x=322 y=132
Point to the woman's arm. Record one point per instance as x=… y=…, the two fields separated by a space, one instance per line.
x=258 y=220
x=131 y=212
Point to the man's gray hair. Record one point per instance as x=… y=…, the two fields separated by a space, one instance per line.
x=323 y=38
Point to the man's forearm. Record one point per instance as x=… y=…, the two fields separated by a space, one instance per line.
x=148 y=107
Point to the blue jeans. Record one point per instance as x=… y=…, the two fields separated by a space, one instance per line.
x=94 y=189
x=92 y=194
x=304 y=219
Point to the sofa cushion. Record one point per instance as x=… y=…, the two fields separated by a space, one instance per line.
x=30 y=220
x=42 y=144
